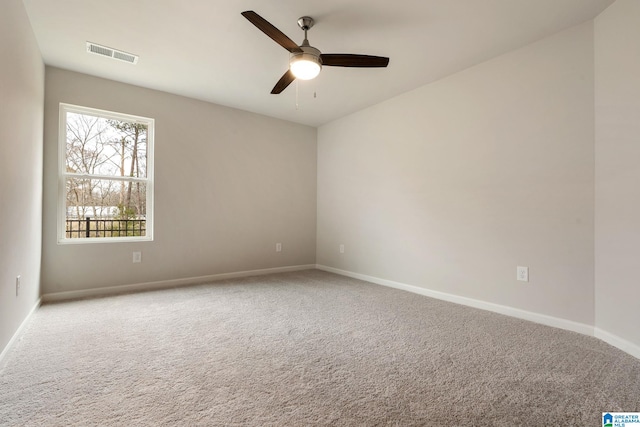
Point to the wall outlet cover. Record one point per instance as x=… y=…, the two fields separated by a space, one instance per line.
x=522 y=274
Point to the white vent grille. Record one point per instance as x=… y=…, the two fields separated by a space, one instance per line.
x=97 y=49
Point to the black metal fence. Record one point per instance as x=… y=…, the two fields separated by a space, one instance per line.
x=88 y=227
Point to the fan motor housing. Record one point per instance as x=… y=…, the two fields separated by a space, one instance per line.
x=309 y=53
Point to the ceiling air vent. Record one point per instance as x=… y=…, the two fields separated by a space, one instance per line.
x=97 y=49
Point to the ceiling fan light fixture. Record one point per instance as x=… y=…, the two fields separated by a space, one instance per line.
x=306 y=65
x=305 y=62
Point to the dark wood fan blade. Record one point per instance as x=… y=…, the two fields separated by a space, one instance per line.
x=284 y=81
x=266 y=27
x=350 y=60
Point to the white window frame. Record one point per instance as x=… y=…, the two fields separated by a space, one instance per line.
x=63 y=174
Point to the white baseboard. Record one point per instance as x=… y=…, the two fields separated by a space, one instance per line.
x=622 y=344
x=496 y=308
x=164 y=284
x=17 y=334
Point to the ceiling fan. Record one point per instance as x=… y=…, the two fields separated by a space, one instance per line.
x=306 y=61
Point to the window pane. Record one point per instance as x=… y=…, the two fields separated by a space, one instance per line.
x=105 y=208
x=101 y=146
x=107 y=172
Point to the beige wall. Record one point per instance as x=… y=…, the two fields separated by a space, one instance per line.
x=21 y=98
x=617 y=95
x=451 y=186
x=229 y=185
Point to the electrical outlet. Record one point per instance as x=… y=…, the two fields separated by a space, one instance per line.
x=341 y=248
x=18 y=278
x=278 y=247
x=522 y=274
x=137 y=257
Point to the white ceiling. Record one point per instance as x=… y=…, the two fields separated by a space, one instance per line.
x=205 y=49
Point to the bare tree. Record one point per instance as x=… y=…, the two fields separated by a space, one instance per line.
x=132 y=139
x=86 y=155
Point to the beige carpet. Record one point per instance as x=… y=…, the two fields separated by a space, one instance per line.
x=304 y=348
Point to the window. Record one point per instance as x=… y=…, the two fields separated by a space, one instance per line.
x=105 y=176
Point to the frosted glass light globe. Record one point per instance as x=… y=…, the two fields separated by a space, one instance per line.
x=304 y=69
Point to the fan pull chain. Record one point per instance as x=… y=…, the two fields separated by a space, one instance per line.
x=297 y=104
